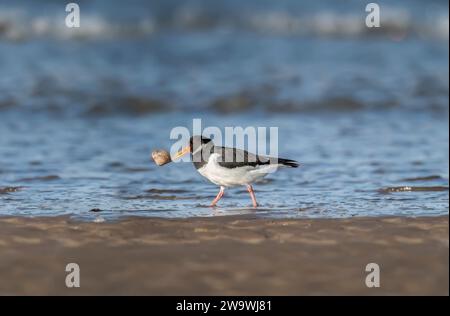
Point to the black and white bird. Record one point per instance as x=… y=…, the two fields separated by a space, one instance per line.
x=229 y=167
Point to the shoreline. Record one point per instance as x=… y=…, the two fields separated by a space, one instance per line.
x=227 y=255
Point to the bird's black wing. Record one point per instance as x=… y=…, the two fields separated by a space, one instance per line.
x=233 y=158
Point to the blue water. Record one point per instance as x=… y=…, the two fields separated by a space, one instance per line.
x=365 y=113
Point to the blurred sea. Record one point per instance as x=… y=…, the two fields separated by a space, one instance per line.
x=364 y=110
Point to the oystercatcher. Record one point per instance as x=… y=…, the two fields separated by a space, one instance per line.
x=229 y=167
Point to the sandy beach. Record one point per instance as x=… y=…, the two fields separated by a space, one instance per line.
x=224 y=256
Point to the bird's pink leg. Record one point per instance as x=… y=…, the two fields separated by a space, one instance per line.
x=218 y=197
x=252 y=195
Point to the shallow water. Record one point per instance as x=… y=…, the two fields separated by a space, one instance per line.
x=362 y=163
x=365 y=114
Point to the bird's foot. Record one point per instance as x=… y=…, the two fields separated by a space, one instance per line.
x=252 y=195
x=218 y=197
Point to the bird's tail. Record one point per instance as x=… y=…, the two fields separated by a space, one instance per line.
x=288 y=162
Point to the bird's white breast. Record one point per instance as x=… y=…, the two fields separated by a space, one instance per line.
x=232 y=176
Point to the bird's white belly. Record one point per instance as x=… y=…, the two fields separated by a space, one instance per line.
x=231 y=176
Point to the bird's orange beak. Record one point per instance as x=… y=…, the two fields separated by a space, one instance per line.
x=182 y=152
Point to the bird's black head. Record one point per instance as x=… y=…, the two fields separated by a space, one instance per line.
x=196 y=141
x=197 y=146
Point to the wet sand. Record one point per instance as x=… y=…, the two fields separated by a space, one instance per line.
x=225 y=256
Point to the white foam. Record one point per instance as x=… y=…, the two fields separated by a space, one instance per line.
x=17 y=25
